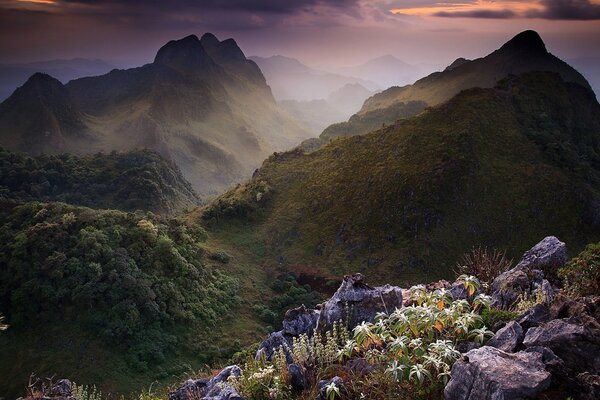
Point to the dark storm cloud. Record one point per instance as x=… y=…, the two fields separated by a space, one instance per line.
x=567 y=10
x=497 y=14
x=253 y=6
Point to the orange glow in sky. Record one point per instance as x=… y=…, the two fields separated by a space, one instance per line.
x=515 y=6
x=38 y=1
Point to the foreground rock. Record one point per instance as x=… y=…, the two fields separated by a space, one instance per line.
x=353 y=303
x=215 y=389
x=576 y=344
x=527 y=277
x=508 y=338
x=491 y=374
x=358 y=302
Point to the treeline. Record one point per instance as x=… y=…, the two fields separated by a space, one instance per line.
x=133 y=180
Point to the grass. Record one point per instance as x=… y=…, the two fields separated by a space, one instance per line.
x=403 y=203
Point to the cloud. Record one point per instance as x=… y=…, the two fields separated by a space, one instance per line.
x=251 y=6
x=567 y=10
x=502 y=9
x=496 y=14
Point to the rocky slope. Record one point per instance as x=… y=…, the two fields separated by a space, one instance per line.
x=201 y=104
x=550 y=351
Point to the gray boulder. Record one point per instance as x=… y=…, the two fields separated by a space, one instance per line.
x=547 y=255
x=217 y=388
x=578 y=345
x=358 y=302
x=508 y=338
x=488 y=373
x=507 y=287
x=300 y=320
x=297 y=321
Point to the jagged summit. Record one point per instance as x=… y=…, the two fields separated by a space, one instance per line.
x=526 y=41
x=222 y=52
x=183 y=53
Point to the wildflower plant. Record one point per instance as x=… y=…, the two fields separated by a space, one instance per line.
x=411 y=347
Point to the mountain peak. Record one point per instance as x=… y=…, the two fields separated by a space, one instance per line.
x=457 y=63
x=222 y=52
x=209 y=39
x=527 y=41
x=183 y=53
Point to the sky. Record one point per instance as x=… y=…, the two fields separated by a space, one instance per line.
x=321 y=33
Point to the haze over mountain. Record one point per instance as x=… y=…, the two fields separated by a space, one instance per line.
x=386 y=71
x=291 y=80
x=407 y=200
x=14 y=75
x=201 y=103
x=525 y=52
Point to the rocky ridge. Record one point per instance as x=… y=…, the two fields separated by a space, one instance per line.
x=552 y=348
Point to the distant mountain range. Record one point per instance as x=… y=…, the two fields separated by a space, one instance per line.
x=14 y=75
x=292 y=80
x=316 y=115
x=385 y=71
x=525 y=52
x=201 y=104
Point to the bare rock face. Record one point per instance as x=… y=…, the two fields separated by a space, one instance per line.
x=297 y=321
x=300 y=320
x=358 y=302
x=578 y=345
x=215 y=389
x=528 y=276
x=548 y=254
x=491 y=374
x=508 y=338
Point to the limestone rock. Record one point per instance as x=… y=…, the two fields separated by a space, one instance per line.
x=488 y=373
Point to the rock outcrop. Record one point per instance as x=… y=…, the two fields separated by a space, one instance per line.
x=488 y=373
x=508 y=338
x=353 y=303
x=527 y=277
x=217 y=388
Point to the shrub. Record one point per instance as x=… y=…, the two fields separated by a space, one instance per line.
x=581 y=275
x=483 y=263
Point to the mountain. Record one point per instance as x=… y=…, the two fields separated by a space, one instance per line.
x=349 y=98
x=386 y=71
x=291 y=80
x=499 y=167
x=590 y=67
x=200 y=104
x=11 y=75
x=135 y=180
x=524 y=53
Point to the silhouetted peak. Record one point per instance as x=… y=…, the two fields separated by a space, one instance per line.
x=526 y=41
x=209 y=39
x=40 y=85
x=40 y=78
x=183 y=53
x=222 y=52
x=457 y=63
